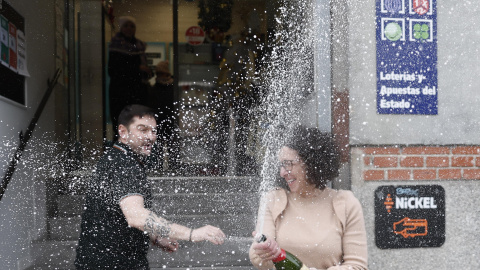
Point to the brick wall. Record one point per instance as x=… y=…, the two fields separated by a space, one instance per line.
x=421 y=163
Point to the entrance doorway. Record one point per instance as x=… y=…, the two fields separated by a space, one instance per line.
x=213 y=50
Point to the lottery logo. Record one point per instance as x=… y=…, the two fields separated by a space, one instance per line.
x=421 y=6
x=393 y=6
x=393 y=31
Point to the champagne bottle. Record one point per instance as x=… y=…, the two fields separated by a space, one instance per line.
x=286 y=260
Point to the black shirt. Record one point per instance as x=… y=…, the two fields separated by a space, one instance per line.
x=106 y=240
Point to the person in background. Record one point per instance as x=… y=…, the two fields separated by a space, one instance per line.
x=118 y=223
x=127 y=68
x=163 y=100
x=322 y=227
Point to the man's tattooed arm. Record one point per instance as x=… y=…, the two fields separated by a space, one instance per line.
x=156 y=226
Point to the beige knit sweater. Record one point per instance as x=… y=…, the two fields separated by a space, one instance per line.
x=324 y=232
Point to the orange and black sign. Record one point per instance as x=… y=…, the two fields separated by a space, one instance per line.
x=409 y=216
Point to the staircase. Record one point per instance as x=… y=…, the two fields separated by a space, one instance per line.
x=230 y=203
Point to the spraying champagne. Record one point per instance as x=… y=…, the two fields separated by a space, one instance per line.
x=286 y=260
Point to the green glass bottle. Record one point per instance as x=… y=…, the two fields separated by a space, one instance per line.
x=286 y=260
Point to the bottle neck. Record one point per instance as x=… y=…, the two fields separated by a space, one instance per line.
x=281 y=257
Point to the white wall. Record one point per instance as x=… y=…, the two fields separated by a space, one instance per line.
x=18 y=225
x=458 y=84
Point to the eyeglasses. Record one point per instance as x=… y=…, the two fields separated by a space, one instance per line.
x=287 y=164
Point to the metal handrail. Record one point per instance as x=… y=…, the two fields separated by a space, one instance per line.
x=24 y=138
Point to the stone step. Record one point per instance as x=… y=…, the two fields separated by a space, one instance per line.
x=70 y=205
x=170 y=185
x=208 y=203
x=177 y=204
x=209 y=268
x=233 y=254
x=50 y=267
x=232 y=225
x=75 y=183
x=54 y=254
x=65 y=228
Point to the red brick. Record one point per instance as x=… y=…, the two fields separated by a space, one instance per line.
x=438 y=161
x=340 y=115
x=384 y=162
x=399 y=175
x=382 y=150
x=374 y=175
x=411 y=162
x=426 y=150
x=462 y=161
x=367 y=160
x=449 y=174
x=424 y=174
x=466 y=150
x=477 y=161
x=471 y=174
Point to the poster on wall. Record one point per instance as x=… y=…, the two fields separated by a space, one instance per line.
x=22 y=54
x=13 y=54
x=409 y=216
x=406 y=48
x=4 y=41
x=12 y=41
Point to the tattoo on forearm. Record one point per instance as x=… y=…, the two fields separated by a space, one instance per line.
x=157 y=227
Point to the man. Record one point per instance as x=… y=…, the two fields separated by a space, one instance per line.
x=117 y=224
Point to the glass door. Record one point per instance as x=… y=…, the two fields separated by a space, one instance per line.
x=204 y=60
x=220 y=45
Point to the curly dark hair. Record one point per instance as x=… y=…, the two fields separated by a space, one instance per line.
x=319 y=152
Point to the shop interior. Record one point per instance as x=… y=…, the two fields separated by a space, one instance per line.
x=214 y=51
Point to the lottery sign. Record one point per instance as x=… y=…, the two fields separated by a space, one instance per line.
x=406 y=47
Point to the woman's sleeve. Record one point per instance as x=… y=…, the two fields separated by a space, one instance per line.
x=354 y=241
x=268 y=230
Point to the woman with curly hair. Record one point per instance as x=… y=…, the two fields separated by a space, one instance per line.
x=322 y=227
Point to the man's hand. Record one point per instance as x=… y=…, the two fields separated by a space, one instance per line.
x=208 y=233
x=166 y=244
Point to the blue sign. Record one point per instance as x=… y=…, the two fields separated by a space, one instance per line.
x=407 y=57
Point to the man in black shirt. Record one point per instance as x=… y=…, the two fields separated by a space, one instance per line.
x=117 y=224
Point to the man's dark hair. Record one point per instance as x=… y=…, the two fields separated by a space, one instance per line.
x=319 y=152
x=130 y=111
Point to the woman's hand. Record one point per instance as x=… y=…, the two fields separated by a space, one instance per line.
x=267 y=250
x=208 y=233
x=166 y=244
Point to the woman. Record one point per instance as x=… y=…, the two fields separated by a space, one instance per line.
x=322 y=227
x=127 y=68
